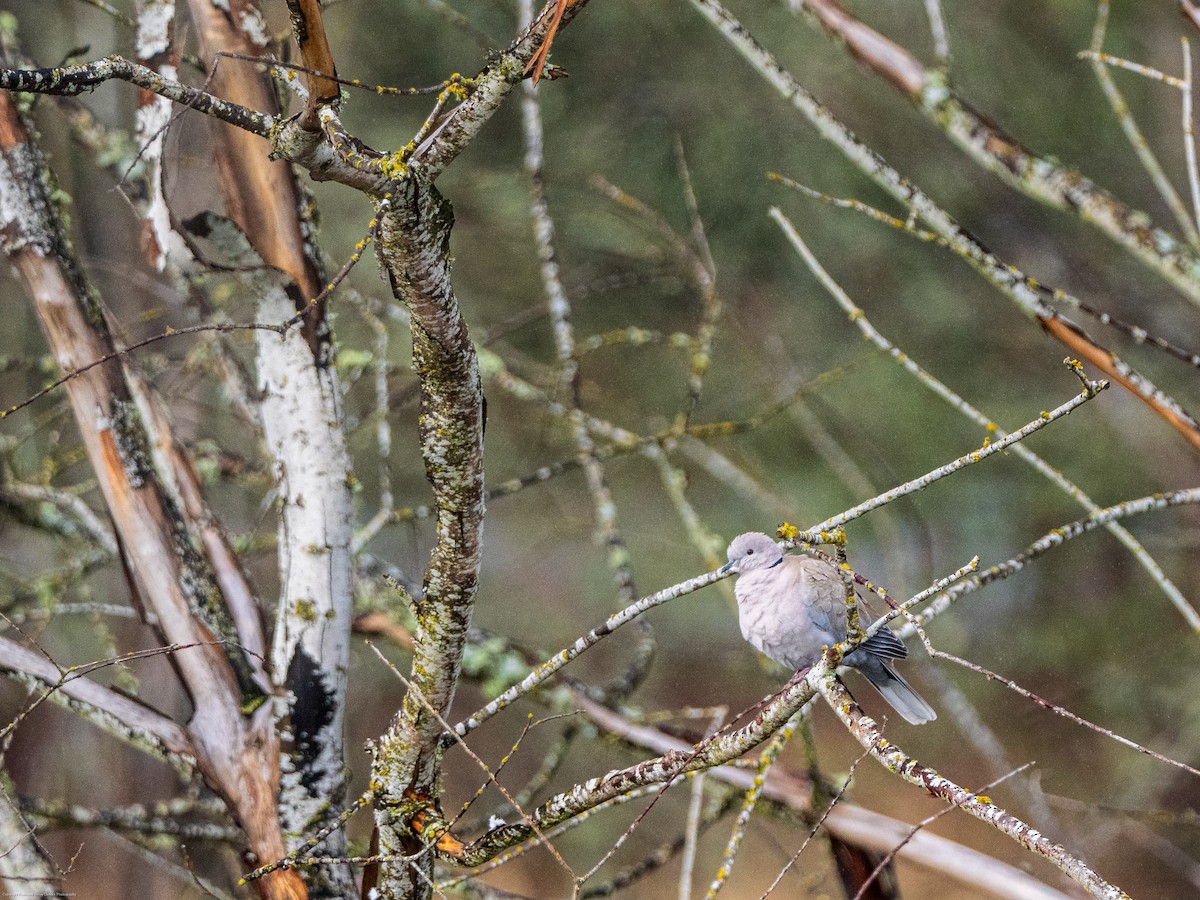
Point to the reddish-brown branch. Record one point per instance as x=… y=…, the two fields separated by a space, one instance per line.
x=237 y=755
x=535 y=65
x=1191 y=11
x=260 y=195
x=1081 y=345
x=1040 y=177
x=869 y=47
x=308 y=27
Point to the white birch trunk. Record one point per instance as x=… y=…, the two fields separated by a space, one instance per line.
x=301 y=414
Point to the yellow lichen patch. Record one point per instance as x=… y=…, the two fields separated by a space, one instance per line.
x=787 y=531
x=393 y=166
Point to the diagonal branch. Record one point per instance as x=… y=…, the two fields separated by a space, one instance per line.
x=898 y=762
x=1042 y=178
x=846 y=821
x=70 y=80
x=859 y=318
x=493 y=85
x=1024 y=291
x=716 y=751
x=135 y=723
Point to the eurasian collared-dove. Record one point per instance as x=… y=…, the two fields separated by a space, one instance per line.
x=790 y=607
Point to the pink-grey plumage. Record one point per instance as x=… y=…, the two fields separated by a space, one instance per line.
x=790 y=607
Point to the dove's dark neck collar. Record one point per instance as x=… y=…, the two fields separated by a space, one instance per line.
x=774 y=564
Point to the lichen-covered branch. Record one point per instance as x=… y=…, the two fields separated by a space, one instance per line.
x=234 y=751
x=715 y=751
x=1037 y=176
x=899 y=763
x=414 y=250
x=136 y=724
x=70 y=80
x=860 y=321
x=1025 y=293
x=166 y=818
x=813 y=535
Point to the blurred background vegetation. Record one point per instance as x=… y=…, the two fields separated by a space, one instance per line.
x=1084 y=627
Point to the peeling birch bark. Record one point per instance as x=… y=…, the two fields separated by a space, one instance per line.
x=235 y=752
x=301 y=414
x=165 y=249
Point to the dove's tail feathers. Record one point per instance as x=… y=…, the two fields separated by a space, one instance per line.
x=884 y=643
x=898 y=693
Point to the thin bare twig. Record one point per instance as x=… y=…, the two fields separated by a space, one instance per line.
x=817 y=825
x=1189 y=136
x=1133 y=134
x=1059 y=710
x=859 y=318
x=765 y=761
x=924 y=823
x=981 y=807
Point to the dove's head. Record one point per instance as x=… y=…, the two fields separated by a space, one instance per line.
x=750 y=551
